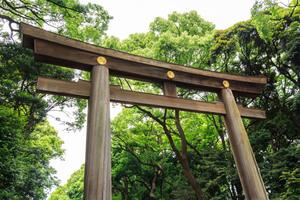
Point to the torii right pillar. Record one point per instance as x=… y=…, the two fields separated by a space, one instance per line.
x=249 y=174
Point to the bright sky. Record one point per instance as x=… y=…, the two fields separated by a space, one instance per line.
x=135 y=16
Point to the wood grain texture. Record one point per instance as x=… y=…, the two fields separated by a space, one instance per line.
x=97 y=181
x=82 y=90
x=58 y=54
x=170 y=89
x=249 y=174
x=29 y=33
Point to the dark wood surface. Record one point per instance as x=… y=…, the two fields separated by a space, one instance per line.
x=60 y=50
x=81 y=89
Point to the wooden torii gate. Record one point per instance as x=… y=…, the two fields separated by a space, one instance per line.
x=102 y=62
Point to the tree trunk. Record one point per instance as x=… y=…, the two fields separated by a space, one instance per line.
x=182 y=157
x=192 y=180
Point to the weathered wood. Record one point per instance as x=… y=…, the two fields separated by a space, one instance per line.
x=97 y=181
x=170 y=89
x=249 y=174
x=82 y=90
x=56 y=49
x=30 y=33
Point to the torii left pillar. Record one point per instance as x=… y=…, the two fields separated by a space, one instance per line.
x=97 y=181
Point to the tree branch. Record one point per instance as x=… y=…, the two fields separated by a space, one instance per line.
x=68 y=8
x=182 y=136
x=166 y=130
x=190 y=145
x=134 y=155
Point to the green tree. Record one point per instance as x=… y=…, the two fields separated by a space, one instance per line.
x=60 y=193
x=25 y=169
x=73 y=189
x=31 y=143
x=83 y=22
x=292 y=184
x=140 y=153
x=28 y=141
x=11 y=137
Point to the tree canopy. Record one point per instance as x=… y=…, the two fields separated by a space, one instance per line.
x=156 y=153
x=27 y=141
x=83 y=22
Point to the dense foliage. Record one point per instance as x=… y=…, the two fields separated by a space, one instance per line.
x=156 y=153
x=27 y=141
x=164 y=154
x=84 y=22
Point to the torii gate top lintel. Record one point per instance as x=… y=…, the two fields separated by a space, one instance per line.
x=56 y=49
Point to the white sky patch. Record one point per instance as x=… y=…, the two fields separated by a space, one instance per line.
x=74 y=143
x=135 y=16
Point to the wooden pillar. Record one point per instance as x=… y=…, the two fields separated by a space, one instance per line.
x=97 y=181
x=249 y=174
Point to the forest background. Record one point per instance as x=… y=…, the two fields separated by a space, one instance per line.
x=156 y=153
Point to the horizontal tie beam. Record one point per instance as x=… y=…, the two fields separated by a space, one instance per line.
x=81 y=89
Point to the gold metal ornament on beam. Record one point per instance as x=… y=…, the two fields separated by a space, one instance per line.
x=170 y=74
x=226 y=84
x=101 y=60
